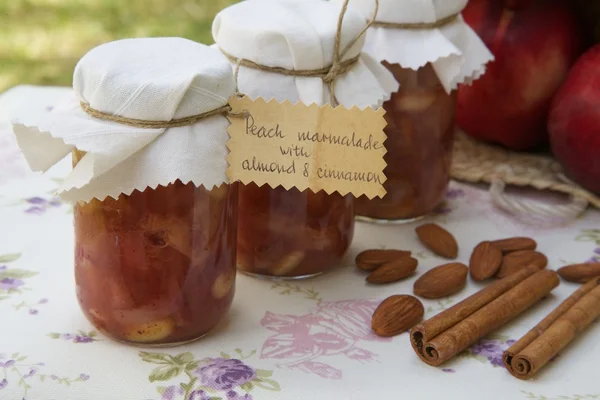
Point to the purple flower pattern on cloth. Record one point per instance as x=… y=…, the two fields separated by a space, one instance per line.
x=31 y=307
x=332 y=329
x=79 y=337
x=24 y=375
x=491 y=349
x=12 y=280
x=10 y=283
x=231 y=395
x=39 y=205
x=225 y=374
x=223 y=377
x=451 y=195
x=172 y=392
x=596 y=257
x=455 y=193
x=199 y=395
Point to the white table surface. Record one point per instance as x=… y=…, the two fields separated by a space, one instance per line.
x=292 y=341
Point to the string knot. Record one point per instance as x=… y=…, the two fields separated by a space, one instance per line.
x=334 y=72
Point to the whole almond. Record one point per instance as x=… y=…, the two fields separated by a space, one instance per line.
x=393 y=271
x=369 y=260
x=397 y=314
x=485 y=261
x=513 y=262
x=580 y=273
x=515 y=244
x=438 y=240
x=442 y=281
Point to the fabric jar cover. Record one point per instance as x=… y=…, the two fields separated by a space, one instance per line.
x=152 y=79
x=456 y=52
x=300 y=35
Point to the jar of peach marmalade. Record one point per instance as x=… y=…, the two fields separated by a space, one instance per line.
x=430 y=50
x=155 y=218
x=289 y=233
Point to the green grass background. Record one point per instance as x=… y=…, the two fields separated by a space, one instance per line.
x=42 y=40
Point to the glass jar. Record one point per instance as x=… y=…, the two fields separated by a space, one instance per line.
x=420 y=135
x=292 y=234
x=157 y=267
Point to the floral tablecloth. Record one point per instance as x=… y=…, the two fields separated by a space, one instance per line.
x=285 y=340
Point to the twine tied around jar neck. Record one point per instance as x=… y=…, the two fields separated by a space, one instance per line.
x=417 y=25
x=144 y=124
x=327 y=74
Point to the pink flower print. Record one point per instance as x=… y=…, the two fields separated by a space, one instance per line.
x=277 y=322
x=285 y=345
x=361 y=355
x=317 y=368
x=351 y=318
x=333 y=328
x=305 y=336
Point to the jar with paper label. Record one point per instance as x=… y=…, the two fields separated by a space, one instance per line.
x=284 y=50
x=430 y=50
x=155 y=216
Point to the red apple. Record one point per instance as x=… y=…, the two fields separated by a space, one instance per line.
x=574 y=122
x=535 y=42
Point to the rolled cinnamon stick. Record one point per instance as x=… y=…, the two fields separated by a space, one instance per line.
x=453 y=330
x=533 y=351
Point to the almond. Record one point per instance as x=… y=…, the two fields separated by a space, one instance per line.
x=513 y=262
x=485 y=261
x=370 y=260
x=515 y=244
x=580 y=273
x=393 y=271
x=442 y=281
x=397 y=314
x=438 y=240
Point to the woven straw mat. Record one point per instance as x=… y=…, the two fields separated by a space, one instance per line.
x=477 y=162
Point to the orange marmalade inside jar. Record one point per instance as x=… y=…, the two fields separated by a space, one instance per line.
x=292 y=234
x=157 y=267
x=420 y=135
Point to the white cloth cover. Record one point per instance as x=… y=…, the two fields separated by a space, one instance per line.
x=300 y=35
x=155 y=79
x=456 y=52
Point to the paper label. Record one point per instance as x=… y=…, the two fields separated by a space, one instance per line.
x=307 y=147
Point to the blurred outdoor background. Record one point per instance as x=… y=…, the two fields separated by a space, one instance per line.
x=42 y=40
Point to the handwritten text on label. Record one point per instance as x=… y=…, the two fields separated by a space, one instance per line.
x=307 y=147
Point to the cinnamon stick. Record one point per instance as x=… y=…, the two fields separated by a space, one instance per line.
x=453 y=330
x=534 y=350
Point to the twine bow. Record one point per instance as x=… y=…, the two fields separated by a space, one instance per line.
x=328 y=74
